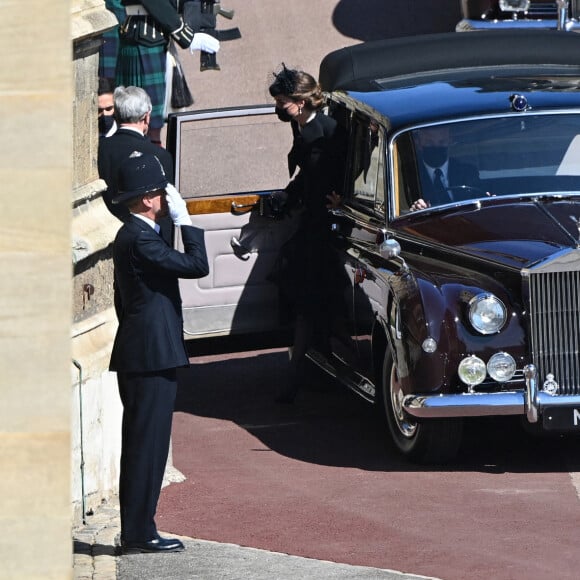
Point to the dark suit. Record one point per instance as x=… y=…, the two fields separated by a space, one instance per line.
x=113 y=151
x=458 y=174
x=148 y=348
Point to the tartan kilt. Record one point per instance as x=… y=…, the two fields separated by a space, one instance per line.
x=110 y=47
x=144 y=66
x=108 y=54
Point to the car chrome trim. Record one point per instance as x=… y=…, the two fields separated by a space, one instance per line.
x=532 y=395
x=467 y=24
x=340 y=370
x=484 y=404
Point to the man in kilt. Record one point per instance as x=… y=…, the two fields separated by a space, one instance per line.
x=142 y=58
x=110 y=47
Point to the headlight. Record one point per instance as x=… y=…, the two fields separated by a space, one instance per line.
x=514 y=5
x=501 y=367
x=472 y=371
x=487 y=313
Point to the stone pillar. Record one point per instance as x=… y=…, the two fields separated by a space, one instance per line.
x=36 y=92
x=95 y=404
x=96 y=407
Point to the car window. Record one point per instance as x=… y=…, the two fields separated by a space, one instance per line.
x=230 y=151
x=368 y=164
x=515 y=155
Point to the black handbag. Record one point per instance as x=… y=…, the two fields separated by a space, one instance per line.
x=180 y=94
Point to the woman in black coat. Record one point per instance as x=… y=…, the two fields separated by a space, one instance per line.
x=310 y=275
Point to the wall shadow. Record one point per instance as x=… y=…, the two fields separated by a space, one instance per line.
x=335 y=427
x=379 y=19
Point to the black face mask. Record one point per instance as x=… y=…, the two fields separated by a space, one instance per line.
x=283 y=115
x=105 y=123
x=434 y=156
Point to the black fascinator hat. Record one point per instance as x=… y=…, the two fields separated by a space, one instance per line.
x=284 y=82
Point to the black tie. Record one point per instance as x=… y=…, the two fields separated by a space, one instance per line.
x=439 y=186
x=438 y=180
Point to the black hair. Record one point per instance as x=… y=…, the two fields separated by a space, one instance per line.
x=297 y=85
x=106 y=85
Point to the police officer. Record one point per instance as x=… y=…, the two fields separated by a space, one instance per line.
x=149 y=344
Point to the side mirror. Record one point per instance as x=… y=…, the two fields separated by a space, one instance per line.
x=390 y=249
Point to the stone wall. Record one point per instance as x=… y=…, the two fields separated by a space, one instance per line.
x=95 y=404
x=36 y=90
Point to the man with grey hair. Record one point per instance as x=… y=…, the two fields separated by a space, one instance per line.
x=132 y=114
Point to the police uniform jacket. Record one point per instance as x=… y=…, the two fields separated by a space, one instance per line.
x=147 y=299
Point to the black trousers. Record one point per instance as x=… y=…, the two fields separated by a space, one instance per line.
x=148 y=400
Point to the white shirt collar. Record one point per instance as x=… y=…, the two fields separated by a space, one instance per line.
x=444 y=170
x=148 y=221
x=312 y=115
x=134 y=129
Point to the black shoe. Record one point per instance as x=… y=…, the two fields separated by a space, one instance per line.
x=158 y=545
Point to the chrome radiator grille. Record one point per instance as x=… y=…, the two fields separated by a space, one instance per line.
x=542 y=10
x=555 y=327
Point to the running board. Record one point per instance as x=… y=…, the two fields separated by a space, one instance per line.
x=340 y=370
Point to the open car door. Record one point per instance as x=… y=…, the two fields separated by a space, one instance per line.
x=227 y=162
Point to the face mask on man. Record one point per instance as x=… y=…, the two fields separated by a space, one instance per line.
x=105 y=123
x=283 y=114
x=434 y=155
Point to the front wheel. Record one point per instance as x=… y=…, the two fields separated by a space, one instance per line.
x=431 y=441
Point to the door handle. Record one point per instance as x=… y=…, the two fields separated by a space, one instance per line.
x=238 y=206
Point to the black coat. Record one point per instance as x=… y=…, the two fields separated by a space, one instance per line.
x=318 y=151
x=117 y=148
x=308 y=275
x=164 y=12
x=147 y=299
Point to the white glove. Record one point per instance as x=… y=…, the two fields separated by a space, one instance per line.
x=205 y=42
x=177 y=207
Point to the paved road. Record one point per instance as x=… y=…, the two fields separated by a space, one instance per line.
x=300 y=33
x=319 y=479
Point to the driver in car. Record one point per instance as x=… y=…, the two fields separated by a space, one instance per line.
x=443 y=179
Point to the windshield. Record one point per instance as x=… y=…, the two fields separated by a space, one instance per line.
x=462 y=161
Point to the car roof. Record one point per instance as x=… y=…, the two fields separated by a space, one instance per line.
x=441 y=76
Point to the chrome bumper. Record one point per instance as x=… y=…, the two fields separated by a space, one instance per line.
x=466 y=25
x=530 y=402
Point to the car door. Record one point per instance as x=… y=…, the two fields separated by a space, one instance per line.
x=364 y=213
x=227 y=162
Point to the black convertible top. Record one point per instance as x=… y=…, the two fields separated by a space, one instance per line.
x=356 y=68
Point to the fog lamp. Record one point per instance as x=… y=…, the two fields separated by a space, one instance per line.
x=514 y=5
x=472 y=370
x=501 y=367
